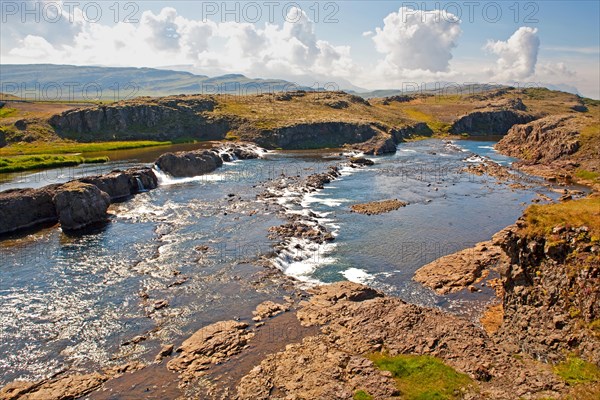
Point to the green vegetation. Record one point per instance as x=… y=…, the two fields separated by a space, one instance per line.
x=25 y=163
x=436 y=125
x=362 y=395
x=587 y=175
x=422 y=377
x=542 y=218
x=7 y=112
x=595 y=327
x=66 y=147
x=577 y=371
x=231 y=136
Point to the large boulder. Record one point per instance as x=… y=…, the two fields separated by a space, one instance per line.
x=25 y=208
x=79 y=205
x=189 y=163
x=2 y=139
x=119 y=184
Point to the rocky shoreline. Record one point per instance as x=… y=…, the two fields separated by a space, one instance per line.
x=75 y=205
x=81 y=203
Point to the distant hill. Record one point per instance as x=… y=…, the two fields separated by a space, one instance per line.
x=445 y=88
x=70 y=82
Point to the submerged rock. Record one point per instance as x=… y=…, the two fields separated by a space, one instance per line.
x=79 y=205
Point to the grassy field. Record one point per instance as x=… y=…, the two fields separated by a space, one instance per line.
x=72 y=147
x=43 y=155
x=26 y=163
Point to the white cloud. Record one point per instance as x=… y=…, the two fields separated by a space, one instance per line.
x=579 y=50
x=35 y=47
x=517 y=56
x=418 y=40
x=368 y=33
x=559 y=69
x=285 y=50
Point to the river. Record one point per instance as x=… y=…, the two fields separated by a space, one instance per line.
x=76 y=301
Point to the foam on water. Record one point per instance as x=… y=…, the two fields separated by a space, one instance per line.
x=167 y=180
x=357 y=275
x=301 y=258
x=316 y=198
x=474 y=159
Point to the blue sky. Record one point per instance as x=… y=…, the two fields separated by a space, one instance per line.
x=370 y=44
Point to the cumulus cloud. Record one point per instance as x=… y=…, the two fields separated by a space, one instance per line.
x=517 y=56
x=33 y=46
x=418 y=40
x=167 y=37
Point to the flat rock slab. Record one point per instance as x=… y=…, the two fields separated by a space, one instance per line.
x=378 y=207
x=209 y=345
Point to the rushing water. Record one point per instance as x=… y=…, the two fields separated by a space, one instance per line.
x=73 y=301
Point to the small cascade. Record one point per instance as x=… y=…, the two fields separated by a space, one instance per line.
x=166 y=179
x=140 y=184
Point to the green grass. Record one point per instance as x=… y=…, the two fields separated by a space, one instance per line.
x=422 y=377
x=576 y=371
x=587 y=175
x=595 y=327
x=7 y=112
x=540 y=219
x=436 y=125
x=26 y=163
x=66 y=148
x=362 y=395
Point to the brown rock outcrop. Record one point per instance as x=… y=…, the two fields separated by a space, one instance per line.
x=63 y=388
x=210 y=345
x=147 y=118
x=552 y=294
x=315 y=369
x=543 y=140
x=493 y=119
x=457 y=271
x=268 y=309
x=121 y=184
x=357 y=320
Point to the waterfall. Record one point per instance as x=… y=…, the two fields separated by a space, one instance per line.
x=140 y=184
